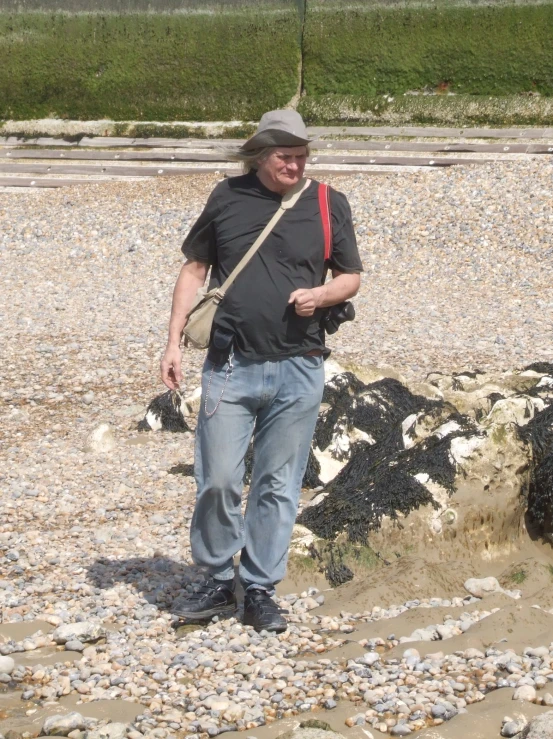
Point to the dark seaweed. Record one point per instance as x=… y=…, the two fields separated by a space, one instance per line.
x=311 y=477
x=386 y=404
x=543 y=367
x=337 y=572
x=379 y=481
x=473 y=374
x=167 y=408
x=539 y=433
x=330 y=558
x=494 y=397
x=186 y=470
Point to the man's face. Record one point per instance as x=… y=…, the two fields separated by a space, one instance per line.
x=283 y=168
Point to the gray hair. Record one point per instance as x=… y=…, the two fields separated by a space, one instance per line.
x=250 y=159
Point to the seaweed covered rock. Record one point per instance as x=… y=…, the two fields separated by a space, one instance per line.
x=167 y=412
x=417 y=473
x=476 y=393
x=352 y=411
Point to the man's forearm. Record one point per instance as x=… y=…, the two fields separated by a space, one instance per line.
x=340 y=288
x=192 y=276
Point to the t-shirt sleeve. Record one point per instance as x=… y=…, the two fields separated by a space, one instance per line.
x=345 y=254
x=200 y=242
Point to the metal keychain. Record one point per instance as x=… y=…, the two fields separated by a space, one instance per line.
x=228 y=373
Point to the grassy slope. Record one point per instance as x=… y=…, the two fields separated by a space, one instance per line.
x=236 y=65
x=139 y=6
x=480 y=50
x=149 y=67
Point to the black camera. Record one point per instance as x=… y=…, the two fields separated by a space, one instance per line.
x=338 y=314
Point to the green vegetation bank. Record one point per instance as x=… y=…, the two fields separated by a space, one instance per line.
x=189 y=60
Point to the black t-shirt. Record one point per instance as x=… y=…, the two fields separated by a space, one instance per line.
x=255 y=309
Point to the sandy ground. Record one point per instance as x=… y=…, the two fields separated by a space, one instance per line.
x=516 y=625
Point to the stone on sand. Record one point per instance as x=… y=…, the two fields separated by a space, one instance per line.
x=82 y=631
x=525 y=693
x=101 y=440
x=7 y=665
x=512 y=727
x=62 y=725
x=480 y=587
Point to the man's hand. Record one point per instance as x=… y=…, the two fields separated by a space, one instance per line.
x=171 y=372
x=306 y=301
x=342 y=287
x=191 y=277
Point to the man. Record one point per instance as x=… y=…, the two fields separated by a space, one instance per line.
x=264 y=370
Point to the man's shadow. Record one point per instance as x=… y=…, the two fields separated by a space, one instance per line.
x=161 y=581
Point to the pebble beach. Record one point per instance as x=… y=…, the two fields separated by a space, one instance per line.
x=94 y=546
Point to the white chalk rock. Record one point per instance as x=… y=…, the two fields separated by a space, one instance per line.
x=517 y=410
x=462 y=448
x=101 y=440
x=302 y=540
x=480 y=587
x=62 y=725
x=332 y=368
x=84 y=631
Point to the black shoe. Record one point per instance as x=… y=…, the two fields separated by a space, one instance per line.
x=210 y=598
x=261 y=612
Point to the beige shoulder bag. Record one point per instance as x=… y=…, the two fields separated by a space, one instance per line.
x=197 y=330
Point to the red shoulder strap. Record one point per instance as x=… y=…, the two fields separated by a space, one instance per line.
x=324 y=207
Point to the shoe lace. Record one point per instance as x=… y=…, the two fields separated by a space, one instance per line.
x=264 y=604
x=203 y=589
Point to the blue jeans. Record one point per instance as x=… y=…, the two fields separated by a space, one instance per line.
x=281 y=400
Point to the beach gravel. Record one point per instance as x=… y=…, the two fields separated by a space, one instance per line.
x=94 y=524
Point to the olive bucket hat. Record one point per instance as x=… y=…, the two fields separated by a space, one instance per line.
x=278 y=128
